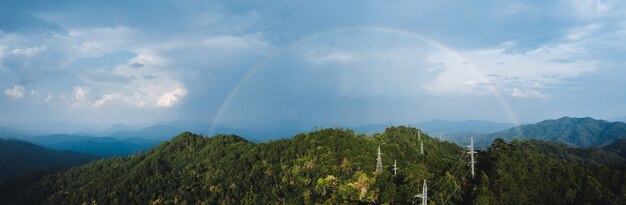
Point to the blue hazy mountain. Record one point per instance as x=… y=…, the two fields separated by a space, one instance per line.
x=20 y=157
x=10 y=133
x=437 y=126
x=156 y=132
x=101 y=146
x=574 y=132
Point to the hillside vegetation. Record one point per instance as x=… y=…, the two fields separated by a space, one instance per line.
x=330 y=166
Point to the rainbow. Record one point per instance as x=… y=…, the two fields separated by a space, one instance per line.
x=253 y=70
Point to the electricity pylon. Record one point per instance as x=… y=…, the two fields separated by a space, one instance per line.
x=472 y=152
x=423 y=195
x=379 y=162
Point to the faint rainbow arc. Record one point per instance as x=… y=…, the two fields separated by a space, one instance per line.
x=409 y=34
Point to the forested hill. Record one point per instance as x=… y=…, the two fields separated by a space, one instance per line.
x=575 y=132
x=19 y=157
x=330 y=166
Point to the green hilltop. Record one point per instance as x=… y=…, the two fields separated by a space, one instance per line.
x=330 y=166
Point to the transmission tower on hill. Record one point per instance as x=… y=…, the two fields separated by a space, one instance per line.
x=423 y=195
x=379 y=162
x=472 y=152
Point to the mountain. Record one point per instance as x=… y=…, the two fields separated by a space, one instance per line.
x=9 y=133
x=575 y=132
x=435 y=127
x=330 y=166
x=19 y=157
x=590 y=156
x=101 y=146
x=118 y=128
x=443 y=127
x=618 y=148
x=520 y=172
x=155 y=132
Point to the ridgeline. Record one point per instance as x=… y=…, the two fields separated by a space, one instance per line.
x=330 y=166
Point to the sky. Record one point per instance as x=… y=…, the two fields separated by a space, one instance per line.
x=262 y=63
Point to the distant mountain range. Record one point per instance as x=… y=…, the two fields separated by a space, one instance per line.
x=9 y=133
x=19 y=157
x=86 y=142
x=435 y=127
x=574 y=132
x=101 y=146
x=120 y=140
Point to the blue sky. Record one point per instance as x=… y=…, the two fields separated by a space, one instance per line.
x=258 y=63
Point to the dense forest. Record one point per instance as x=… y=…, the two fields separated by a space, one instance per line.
x=333 y=166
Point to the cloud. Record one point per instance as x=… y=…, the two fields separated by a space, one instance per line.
x=588 y=9
x=486 y=71
x=80 y=92
x=80 y=96
x=190 y=56
x=321 y=57
x=516 y=92
x=581 y=32
x=136 y=65
x=170 y=98
x=15 y=93
x=29 y=51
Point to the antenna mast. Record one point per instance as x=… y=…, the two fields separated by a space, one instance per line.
x=472 y=152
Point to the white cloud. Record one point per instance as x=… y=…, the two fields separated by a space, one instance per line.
x=136 y=100
x=2 y=50
x=146 y=58
x=16 y=92
x=170 y=98
x=107 y=98
x=97 y=41
x=330 y=57
x=582 y=31
x=516 y=92
x=595 y=9
x=80 y=92
x=29 y=51
x=49 y=98
x=518 y=74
